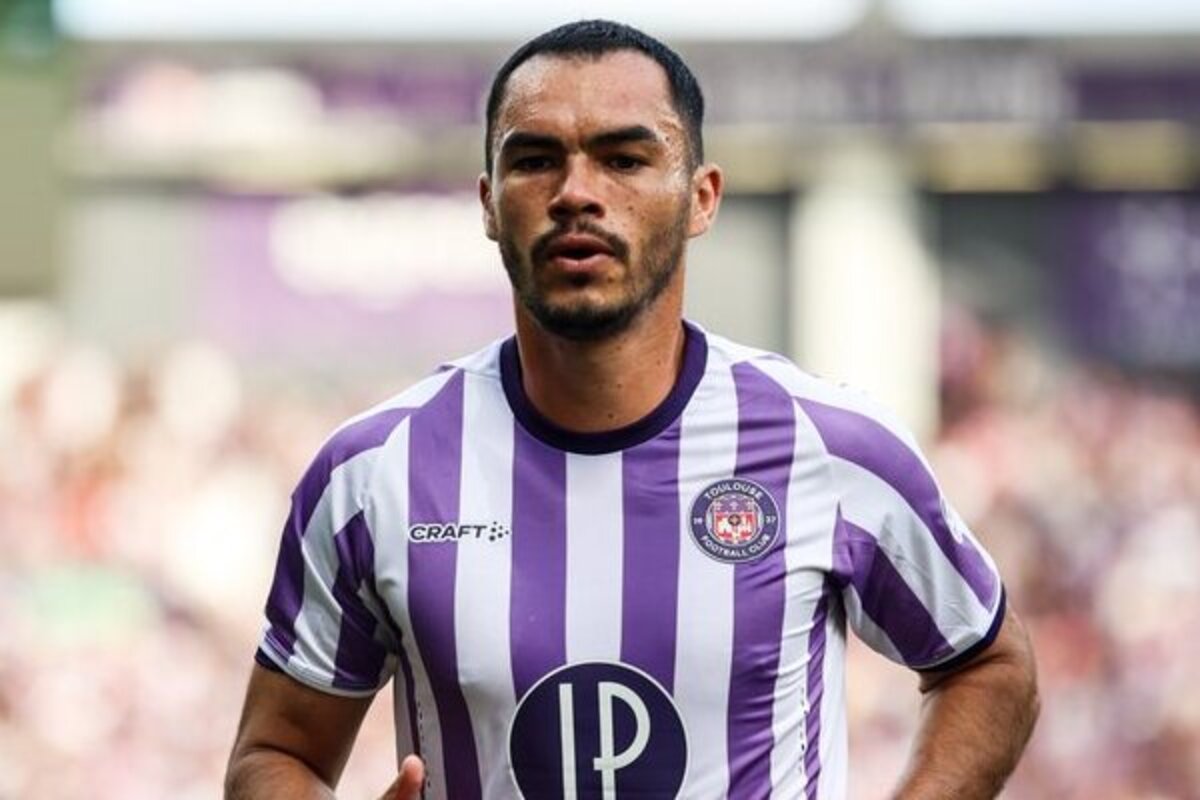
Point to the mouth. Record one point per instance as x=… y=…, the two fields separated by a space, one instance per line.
x=578 y=253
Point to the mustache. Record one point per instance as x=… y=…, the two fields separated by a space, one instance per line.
x=619 y=247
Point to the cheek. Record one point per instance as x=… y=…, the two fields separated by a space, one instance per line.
x=660 y=217
x=516 y=213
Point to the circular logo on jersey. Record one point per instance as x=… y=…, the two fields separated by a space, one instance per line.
x=597 y=730
x=735 y=520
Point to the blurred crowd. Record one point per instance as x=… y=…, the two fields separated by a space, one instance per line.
x=1085 y=485
x=139 y=505
x=139 y=514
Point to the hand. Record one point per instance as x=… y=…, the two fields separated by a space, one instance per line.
x=408 y=785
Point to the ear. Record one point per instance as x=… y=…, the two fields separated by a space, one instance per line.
x=489 y=212
x=707 y=185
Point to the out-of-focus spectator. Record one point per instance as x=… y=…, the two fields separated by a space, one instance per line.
x=138 y=515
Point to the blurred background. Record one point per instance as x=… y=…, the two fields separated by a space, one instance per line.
x=226 y=226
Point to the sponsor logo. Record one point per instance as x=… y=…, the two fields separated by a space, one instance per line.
x=424 y=532
x=597 y=730
x=734 y=520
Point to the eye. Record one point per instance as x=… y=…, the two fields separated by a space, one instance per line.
x=625 y=163
x=531 y=164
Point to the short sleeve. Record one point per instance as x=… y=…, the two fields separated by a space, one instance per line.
x=916 y=584
x=325 y=624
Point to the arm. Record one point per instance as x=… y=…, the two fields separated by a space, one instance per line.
x=293 y=741
x=975 y=722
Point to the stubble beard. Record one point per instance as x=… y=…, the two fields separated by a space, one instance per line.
x=585 y=321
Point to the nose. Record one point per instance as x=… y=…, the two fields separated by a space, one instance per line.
x=577 y=195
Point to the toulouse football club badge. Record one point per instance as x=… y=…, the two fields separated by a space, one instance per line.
x=734 y=520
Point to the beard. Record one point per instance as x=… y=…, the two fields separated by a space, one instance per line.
x=583 y=321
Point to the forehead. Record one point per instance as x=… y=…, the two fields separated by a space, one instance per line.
x=619 y=88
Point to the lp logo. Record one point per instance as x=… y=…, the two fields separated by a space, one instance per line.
x=597 y=730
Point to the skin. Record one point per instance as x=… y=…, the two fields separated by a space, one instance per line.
x=293 y=742
x=975 y=721
x=594 y=145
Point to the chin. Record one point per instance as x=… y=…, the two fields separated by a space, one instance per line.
x=584 y=322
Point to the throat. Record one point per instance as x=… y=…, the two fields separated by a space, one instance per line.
x=593 y=387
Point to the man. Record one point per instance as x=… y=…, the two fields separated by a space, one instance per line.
x=614 y=555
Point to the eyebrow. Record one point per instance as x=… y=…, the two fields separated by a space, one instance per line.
x=633 y=133
x=626 y=135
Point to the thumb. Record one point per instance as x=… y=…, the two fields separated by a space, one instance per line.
x=408 y=785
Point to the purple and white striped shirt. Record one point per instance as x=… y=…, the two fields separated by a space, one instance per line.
x=657 y=611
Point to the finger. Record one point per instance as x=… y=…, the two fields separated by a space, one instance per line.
x=412 y=778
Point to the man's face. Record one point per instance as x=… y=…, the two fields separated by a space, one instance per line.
x=590 y=195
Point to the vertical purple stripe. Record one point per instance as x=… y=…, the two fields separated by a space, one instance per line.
x=434 y=476
x=344 y=445
x=867 y=443
x=538 y=610
x=650 y=496
x=766 y=437
x=287 y=588
x=815 y=694
x=360 y=656
x=886 y=598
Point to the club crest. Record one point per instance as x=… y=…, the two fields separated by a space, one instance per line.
x=734 y=520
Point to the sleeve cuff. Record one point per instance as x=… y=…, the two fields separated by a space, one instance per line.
x=971 y=652
x=265 y=661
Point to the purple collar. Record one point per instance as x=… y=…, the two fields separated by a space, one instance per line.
x=695 y=356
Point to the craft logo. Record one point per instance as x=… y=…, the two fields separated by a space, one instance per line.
x=426 y=532
x=597 y=730
x=734 y=521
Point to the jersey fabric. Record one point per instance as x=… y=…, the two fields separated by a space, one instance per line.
x=652 y=612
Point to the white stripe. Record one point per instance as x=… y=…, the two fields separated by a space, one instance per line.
x=319 y=622
x=595 y=548
x=866 y=629
x=873 y=505
x=481 y=600
x=707 y=453
x=404 y=741
x=734 y=352
x=810 y=517
x=805 y=386
x=388 y=516
x=833 y=746
x=484 y=361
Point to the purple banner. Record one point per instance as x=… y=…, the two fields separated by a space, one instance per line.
x=765 y=83
x=324 y=282
x=1132 y=276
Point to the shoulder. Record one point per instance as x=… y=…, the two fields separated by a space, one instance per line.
x=754 y=372
x=848 y=420
x=358 y=438
x=371 y=428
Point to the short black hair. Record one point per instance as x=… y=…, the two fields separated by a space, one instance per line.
x=594 y=38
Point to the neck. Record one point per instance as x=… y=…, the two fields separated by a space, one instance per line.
x=588 y=387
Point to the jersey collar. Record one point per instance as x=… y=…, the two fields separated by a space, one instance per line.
x=695 y=357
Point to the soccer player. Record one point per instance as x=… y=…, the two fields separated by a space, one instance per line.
x=615 y=555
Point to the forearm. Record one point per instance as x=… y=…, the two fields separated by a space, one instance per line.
x=975 y=723
x=271 y=774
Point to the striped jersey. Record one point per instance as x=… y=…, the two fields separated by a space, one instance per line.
x=658 y=611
